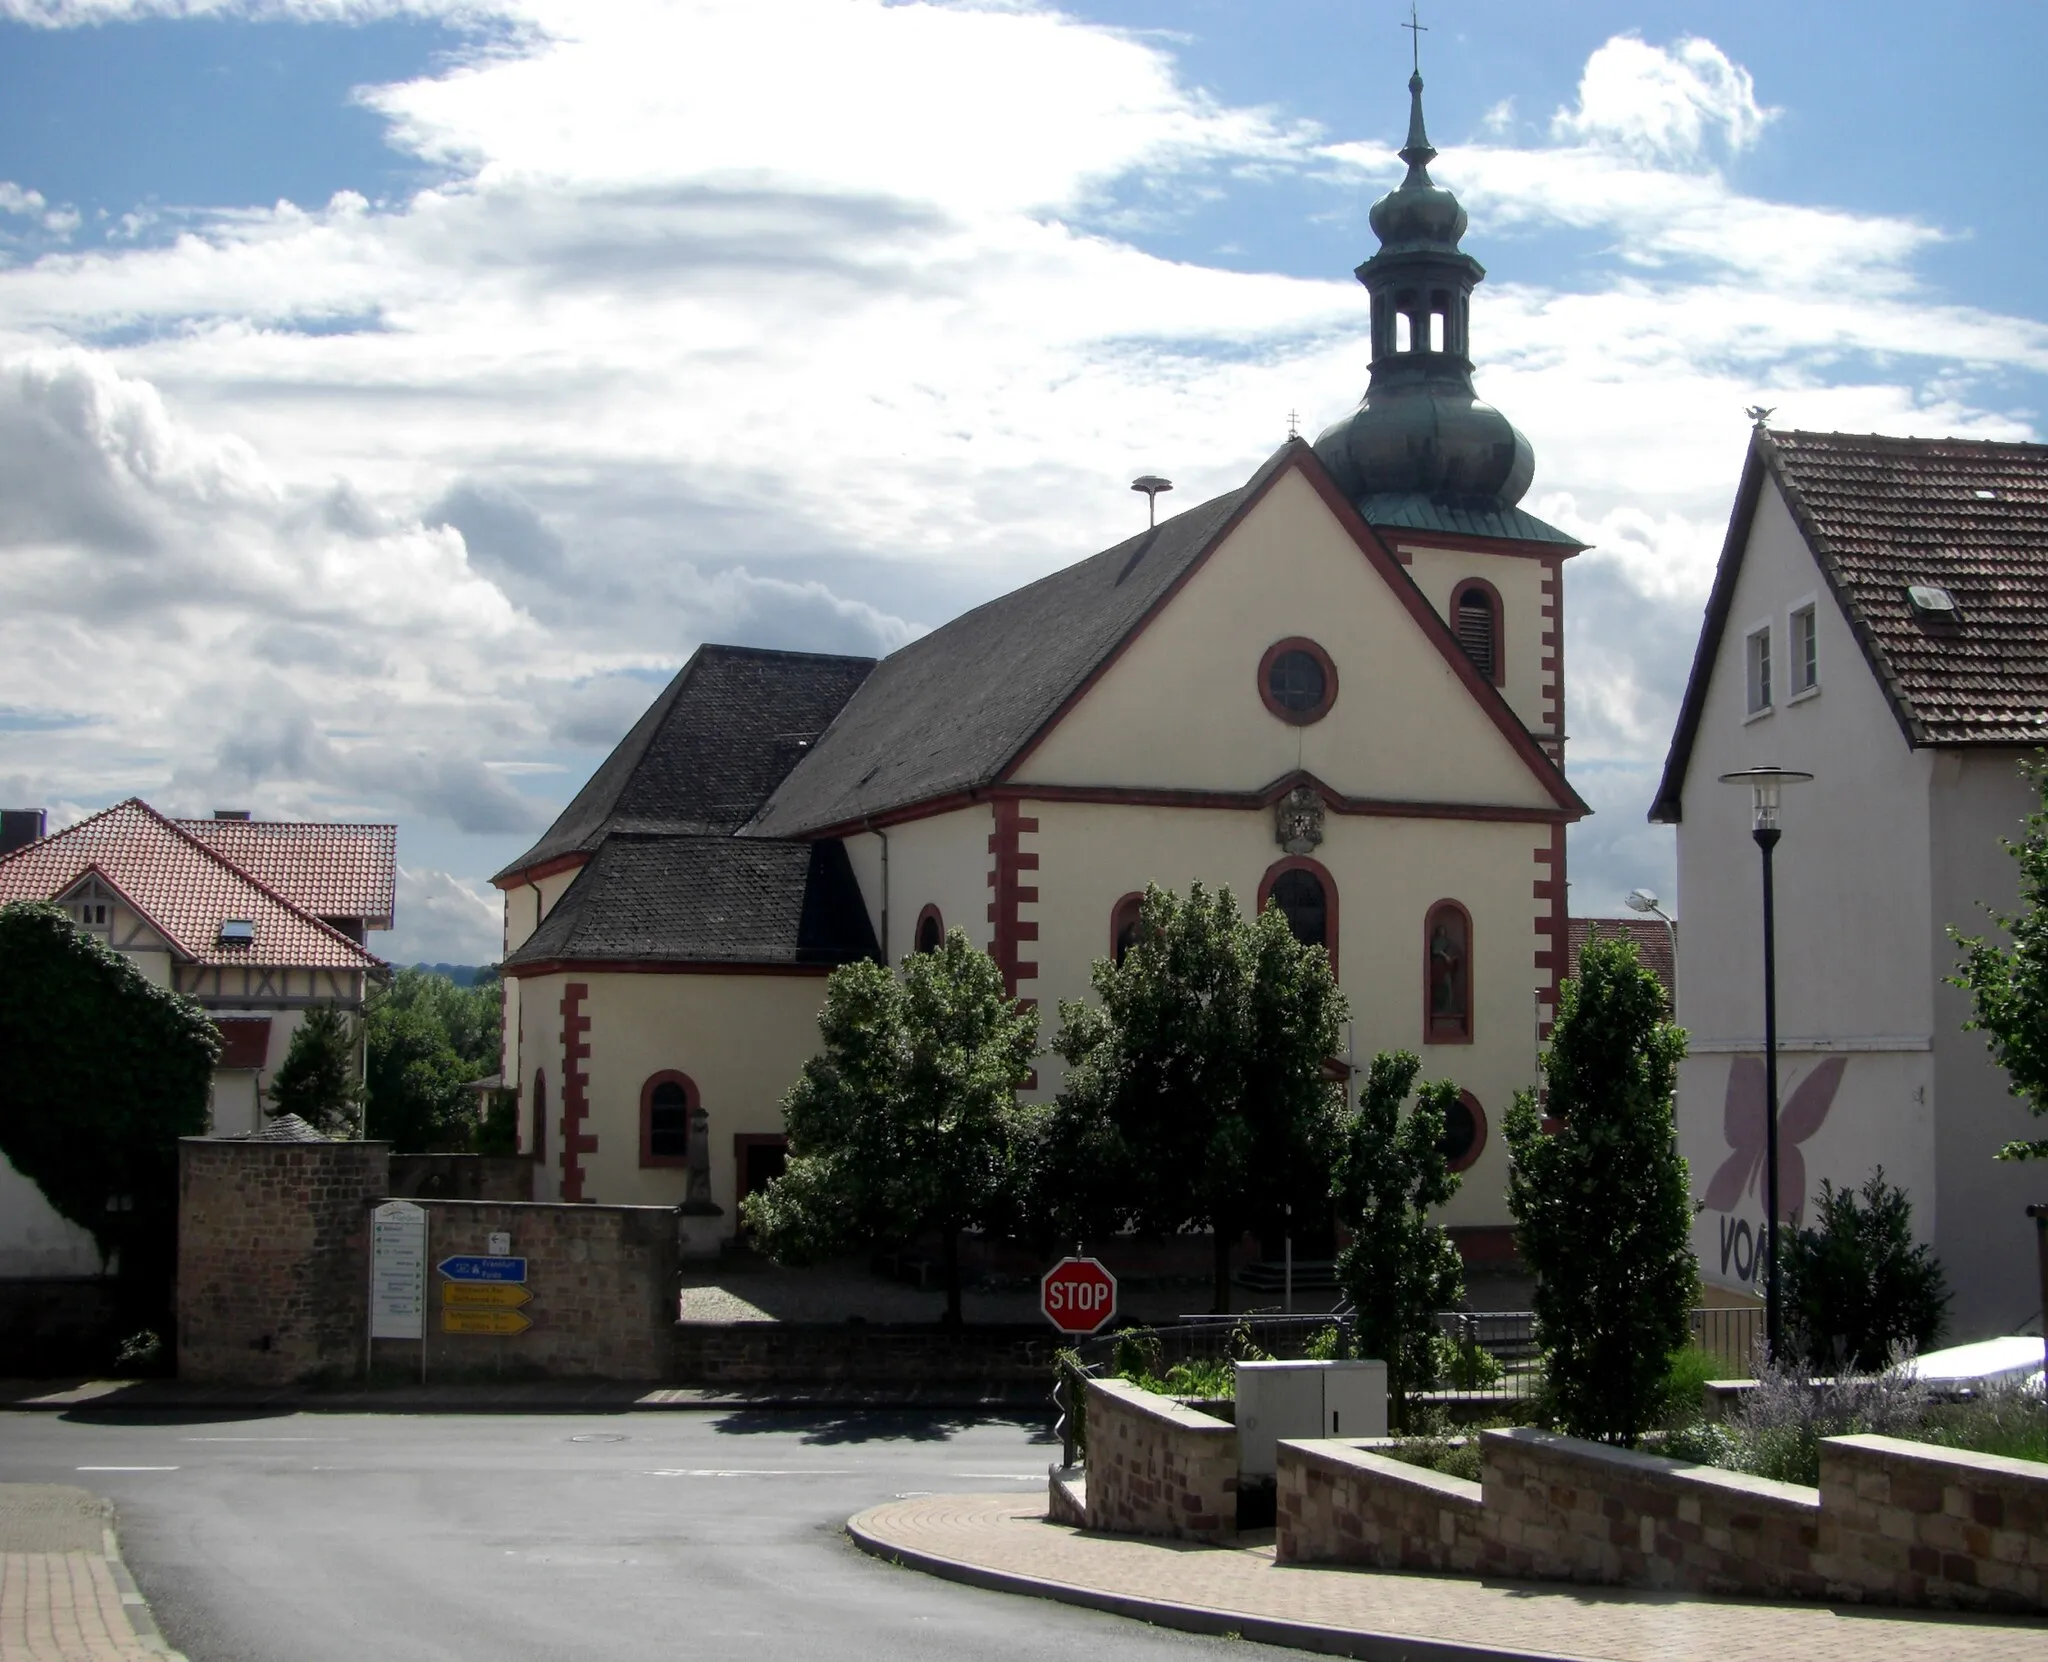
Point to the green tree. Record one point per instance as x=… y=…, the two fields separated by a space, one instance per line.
x=1399 y=1267
x=317 y=1079
x=1603 y=1208
x=2008 y=986
x=426 y=1040
x=906 y=1123
x=1858 y=1287
x=104 y=1072
x=1197 y=1094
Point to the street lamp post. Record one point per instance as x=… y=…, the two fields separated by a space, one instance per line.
x=1641 y=900
x=1764 y=785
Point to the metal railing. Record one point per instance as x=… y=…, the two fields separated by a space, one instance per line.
x=1731 y=1335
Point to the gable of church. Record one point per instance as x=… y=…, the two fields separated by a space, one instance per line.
x=1182 y=705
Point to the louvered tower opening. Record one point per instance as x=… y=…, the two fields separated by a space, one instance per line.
x=1476 y=629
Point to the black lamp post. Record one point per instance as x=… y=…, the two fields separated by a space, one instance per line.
x=1764 y=784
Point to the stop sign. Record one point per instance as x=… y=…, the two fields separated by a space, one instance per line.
x=1077 y=1295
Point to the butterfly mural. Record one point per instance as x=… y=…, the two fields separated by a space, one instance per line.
x=1743 y=1124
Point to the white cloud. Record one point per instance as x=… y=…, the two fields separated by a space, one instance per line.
x=807 y=325
x=1663 y=104
x=443 y=919
x=15 y=200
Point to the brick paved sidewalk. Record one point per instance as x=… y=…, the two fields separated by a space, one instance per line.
x=1004 y=1541
x=65 y=1595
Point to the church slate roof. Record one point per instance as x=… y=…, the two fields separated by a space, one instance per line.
x=1881 y=513
x=708 y=751
x=749 y=902
x=949 y=711
x=1468 y=517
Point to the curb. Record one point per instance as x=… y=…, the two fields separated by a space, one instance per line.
x=133 y=1605
x=1196 y=1618
x=823 y=1401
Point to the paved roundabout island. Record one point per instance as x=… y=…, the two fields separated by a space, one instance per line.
x=1005 y=1542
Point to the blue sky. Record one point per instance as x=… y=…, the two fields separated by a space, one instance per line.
x=397 y=393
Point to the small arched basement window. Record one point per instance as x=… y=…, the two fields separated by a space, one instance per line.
x=665 y=1104
x=931 y=930
x=1307 y=898
x=1476 y=617
x=1447 y=975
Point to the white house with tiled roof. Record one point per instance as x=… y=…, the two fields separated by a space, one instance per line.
x=1880 y=620
x=257 y=920
x=1338 y=690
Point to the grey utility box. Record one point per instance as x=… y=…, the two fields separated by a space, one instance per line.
x=1277 y=1400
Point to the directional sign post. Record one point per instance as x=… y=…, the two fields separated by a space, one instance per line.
x=1077 y=1295
x=398 y=1270
x=480 y=1268
x=483 y=1321
x=483 y=1295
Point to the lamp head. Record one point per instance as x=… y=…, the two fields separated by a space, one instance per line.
x=1764 y=787
x=1641 y=900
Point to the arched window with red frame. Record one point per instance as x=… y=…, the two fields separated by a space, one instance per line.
x=931 y=930
x=1124 y=920
x=1477 y=619
x=1464 y=1133
x=537 y=1142
x=1307 y=897
x=1447 y=975
x=667 y=1101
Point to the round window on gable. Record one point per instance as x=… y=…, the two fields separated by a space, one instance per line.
x=1297 y=681
x=1464 y=1132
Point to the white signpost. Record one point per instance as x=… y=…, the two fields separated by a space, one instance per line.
x=398 y=1271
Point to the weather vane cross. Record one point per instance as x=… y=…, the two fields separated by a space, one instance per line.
x=1416 y=30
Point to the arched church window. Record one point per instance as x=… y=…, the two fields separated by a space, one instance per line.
x=1404 y=332
x=1124 y=919
x=931 y=930
x=1477 y=620
x=1297 y=680
x=537 y=1144
x=1447 y=972
x=1464 y=1132
x=1307 y=899
x=666 y=1100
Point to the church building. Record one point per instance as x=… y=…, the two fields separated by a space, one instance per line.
x=1337 y=689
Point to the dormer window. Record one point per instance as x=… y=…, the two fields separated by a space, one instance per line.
x=238 y=932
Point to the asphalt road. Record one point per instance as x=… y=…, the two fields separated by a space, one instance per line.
x=335 y=1538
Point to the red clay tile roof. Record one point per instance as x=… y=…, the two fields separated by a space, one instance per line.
x=1966 y=515
x=332 y=871
x=182 y=887
x=1653 y=944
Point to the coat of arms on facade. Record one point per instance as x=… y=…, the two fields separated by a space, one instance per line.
x=1298 y=820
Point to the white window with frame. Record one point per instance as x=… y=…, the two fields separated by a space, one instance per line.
x=1802 y=634
x=1757 y=670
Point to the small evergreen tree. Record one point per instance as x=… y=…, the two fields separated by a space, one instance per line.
x=1399 y=1267
x=2008 y=986
x=1858 y=1287
x=317 y=1079
x=906 y=1123
x=1197 y=1094
x=1603 y=1208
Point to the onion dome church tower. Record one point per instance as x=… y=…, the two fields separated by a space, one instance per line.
x=1421 y=450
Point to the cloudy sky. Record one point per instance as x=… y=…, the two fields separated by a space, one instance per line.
x=393 y=394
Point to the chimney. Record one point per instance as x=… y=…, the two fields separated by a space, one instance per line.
x=21 y=826
x=232 y=813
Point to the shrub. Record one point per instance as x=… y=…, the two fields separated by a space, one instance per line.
x=317 y=1080
x=1858 y=1287
x=1781 y=1422
x=1685 y=1383
x=1326 y=1344
x=1204 y=1376
x=1136 y=1355
x=1453 y=1456
x=2009 y=1419
x=1467 y=1366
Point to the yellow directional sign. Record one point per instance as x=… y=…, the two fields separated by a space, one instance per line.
x=458 y=1320
x=484 y=1295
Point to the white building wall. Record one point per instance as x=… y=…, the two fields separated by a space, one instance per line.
x=942 y=861
x=36 y=1240
x=1519 y=578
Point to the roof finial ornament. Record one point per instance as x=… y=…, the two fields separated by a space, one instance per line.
x=1759 y=414
x=1416 y=30
x=1294 y=424
x=1418 y=153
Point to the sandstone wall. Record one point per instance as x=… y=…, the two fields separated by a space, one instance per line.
x=273 y=1257
x=1156 y=1468
x=1340 y=1504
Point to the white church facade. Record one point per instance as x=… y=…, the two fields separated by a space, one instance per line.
x=1338 y=689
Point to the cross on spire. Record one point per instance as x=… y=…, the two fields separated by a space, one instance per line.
x=1293 y=424
x=1416 y=30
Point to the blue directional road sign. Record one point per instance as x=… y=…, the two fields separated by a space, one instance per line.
x=483 y=1269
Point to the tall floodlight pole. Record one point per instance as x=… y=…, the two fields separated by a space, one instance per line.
x=1764 y=784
